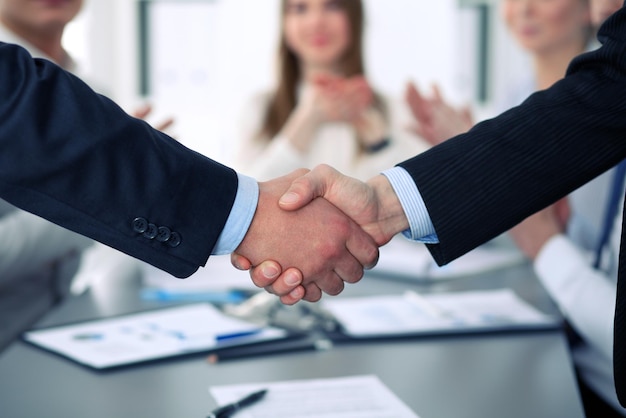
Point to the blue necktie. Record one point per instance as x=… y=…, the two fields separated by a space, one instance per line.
x=615 y=197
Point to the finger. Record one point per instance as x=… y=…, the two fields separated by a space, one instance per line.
x=410 y=91
x=312 y=293
x=265 y=273
x=143 y=111
x=348 y=270
x=165 y=124
x=328 y=282
x=437 y=96
x=419 y=106
x=412 y=96
x=240 y=262
x=308 y=187
x=333 y=287
x=294 y=297
x=363 y=248
x=285 y=283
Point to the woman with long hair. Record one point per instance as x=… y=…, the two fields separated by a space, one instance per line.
x=323 y=110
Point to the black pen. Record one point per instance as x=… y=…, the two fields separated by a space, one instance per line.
x=230 y=409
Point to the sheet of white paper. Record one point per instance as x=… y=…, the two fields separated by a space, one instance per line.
x=447 y=312
x=218 y=274
x=346 y=397
x=148 y=335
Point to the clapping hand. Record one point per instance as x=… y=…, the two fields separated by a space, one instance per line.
x=533 y=233
x=436 y=120
x=342 y=99
x=144 y=111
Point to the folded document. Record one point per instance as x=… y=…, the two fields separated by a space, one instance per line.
x=441 y=313
x=151 y=335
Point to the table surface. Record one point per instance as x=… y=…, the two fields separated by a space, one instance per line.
x=526 y=374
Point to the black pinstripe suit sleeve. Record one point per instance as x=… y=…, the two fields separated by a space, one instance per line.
x=75 y=158
x=482 y=183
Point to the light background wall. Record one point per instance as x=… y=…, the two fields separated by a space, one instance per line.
x=210 y=56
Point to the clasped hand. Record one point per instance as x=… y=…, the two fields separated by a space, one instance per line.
x=339 y=99
x=315 y=230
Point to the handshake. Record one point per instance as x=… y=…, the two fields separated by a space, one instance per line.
x=314 y=230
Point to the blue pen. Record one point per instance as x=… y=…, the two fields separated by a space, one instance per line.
x=240 y=334
x=161 y=295
x=182 y=336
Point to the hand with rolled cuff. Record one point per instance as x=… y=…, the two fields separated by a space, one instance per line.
x=313 y=236
x=372 y=205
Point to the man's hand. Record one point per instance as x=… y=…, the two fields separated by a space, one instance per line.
x=315 y=237
x=373 y=205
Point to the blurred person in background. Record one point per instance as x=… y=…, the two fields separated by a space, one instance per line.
x=323 y=109
x=552 y=32
x=573 y=244
x=40 y=261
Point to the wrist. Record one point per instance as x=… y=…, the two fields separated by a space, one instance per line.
x=391 y=217
x=372 y=131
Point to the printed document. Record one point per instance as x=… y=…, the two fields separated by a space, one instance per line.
x=345 y=397
x=454 y=312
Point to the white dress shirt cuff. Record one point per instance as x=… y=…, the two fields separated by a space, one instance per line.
x=240 y=216
x=558 y=261
x=585 y=296
x=420 y=225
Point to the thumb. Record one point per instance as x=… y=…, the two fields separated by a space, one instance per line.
x=306 y=188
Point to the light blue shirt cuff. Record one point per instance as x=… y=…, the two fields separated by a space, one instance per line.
x=420 y=226
x=240 y=216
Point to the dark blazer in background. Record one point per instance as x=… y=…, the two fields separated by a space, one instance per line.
x=478 y=185
x=76 y=159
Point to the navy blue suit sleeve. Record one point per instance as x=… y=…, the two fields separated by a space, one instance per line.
x=75 y=158
x=480 y=184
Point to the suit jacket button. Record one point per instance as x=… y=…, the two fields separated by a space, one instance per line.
x=163 y=234
x=151 y=232
x=175 y=240
x=140 y=225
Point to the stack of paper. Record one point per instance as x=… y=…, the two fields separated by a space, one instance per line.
x=460 y=312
